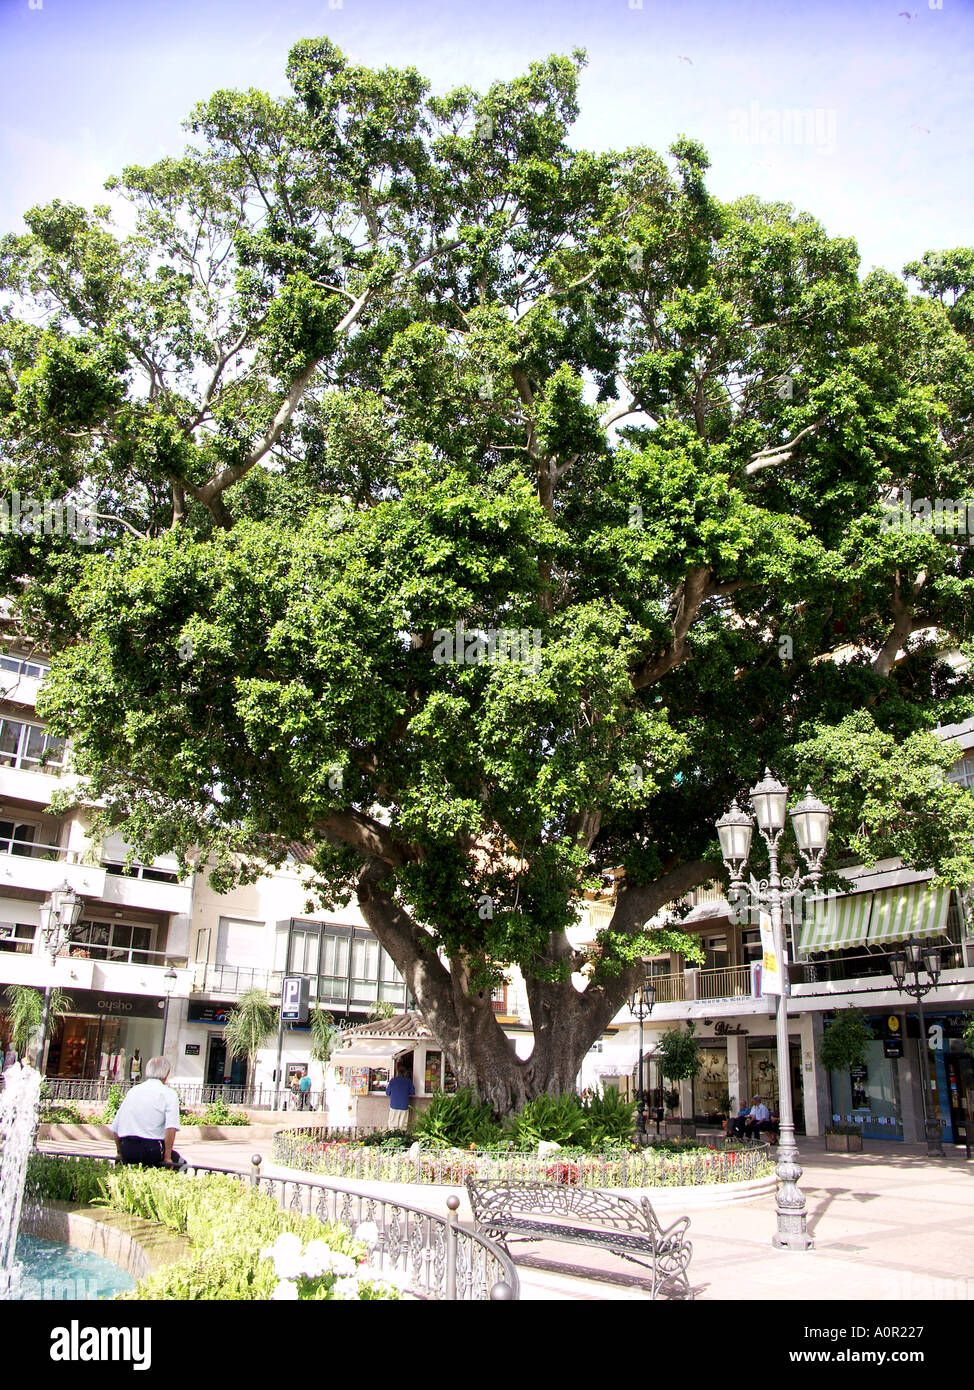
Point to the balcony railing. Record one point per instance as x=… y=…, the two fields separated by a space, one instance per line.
x=234 y=979
x=121 y=955
x=35 y=849
x=670 y=989
x=729 y=982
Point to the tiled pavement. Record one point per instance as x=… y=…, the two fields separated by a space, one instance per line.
x=889 y=1223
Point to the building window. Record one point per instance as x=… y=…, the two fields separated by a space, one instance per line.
x=349 y=967
x=17 y=938
x=30 y=746
x=112 y=941
x=22 y=667
x=963 y=772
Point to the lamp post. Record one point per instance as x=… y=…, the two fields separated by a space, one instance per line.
x=916 y=958
x=641 y=1006
x=59 y=917
x=169 y=984
x=810 y=820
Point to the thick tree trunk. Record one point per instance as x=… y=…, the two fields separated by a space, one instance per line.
x=565 y=1021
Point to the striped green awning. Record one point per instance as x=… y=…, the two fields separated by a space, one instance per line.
x=837 y=923
x=915 y=909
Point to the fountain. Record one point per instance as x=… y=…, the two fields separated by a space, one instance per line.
x=18 y=1122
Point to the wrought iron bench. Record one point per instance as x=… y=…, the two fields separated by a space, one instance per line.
x=531 y=1211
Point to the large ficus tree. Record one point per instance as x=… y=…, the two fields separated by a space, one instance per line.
x=367 y=367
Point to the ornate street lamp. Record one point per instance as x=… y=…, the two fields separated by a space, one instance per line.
x=913 y=959
x=641 y=1006
x=169 y=984
x=59 y=917
x=810 y=819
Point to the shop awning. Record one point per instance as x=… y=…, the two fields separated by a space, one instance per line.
x=838 y=923
x=914 y=909
x=371 y=1052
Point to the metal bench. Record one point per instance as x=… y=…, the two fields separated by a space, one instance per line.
x=532 y=1211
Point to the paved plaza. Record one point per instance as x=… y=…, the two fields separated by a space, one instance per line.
x=889 y=1223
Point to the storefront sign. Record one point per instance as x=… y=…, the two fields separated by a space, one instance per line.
x=91 y=1001
x=892 y=1047
x=208 y=1013
x=192 y=1049
x=723 y=1029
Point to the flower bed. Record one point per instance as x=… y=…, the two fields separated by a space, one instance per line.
x=623 y=1168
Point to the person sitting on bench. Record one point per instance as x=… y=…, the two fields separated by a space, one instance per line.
x=759 y=1117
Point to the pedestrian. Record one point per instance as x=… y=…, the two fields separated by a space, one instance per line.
x=304 y=1086
x=147 y=1120
x=399 y=1090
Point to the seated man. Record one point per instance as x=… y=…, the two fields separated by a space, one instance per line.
x=735 y=1125
x=758 y=1118
x=147 y=1121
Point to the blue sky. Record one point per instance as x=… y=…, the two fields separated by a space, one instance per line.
x=881 y=150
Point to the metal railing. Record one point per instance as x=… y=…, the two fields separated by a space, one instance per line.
x=436 y=1257
x=862 y=967
x=670 y=989
x=235 y=979
x=727 y=982
x=36 y=849
x=120 y=955
x=192 y=1094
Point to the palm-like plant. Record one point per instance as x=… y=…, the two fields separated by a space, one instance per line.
x=26 y=1008
x=250 y=1024
x=324 y=1034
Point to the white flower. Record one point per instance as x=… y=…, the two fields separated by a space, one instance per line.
x=286 y=1292
x=286 y=1254
x=367 y=1232
x=318 y=1259
x=397 y=1278
x=346 y=1289
x=343 y=1265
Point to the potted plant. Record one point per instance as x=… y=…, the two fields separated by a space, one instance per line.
x=843 y=1139
x=678 y=1055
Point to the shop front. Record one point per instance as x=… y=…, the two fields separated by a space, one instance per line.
x=105 y=1037
x=372 y=1054
x=950 y=1069
x=870 y=1095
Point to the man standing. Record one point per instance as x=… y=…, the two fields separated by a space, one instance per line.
x=304 y=1086
x=399 y=1090
x=147 y=1120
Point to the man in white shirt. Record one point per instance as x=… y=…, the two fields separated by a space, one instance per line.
x=759 y=1117
x=147 y=1120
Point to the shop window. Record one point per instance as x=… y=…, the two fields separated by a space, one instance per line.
x=433 y=1077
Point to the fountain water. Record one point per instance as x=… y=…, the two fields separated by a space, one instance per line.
x=18 y=1122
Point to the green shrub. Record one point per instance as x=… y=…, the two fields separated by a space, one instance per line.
x=216 y=1113
x=77 y=1180
x=60 y=1113
x=608 y=1118
x=228 y=1223
x=555 y=1119
x=456 y=1121
x=115 y=1098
